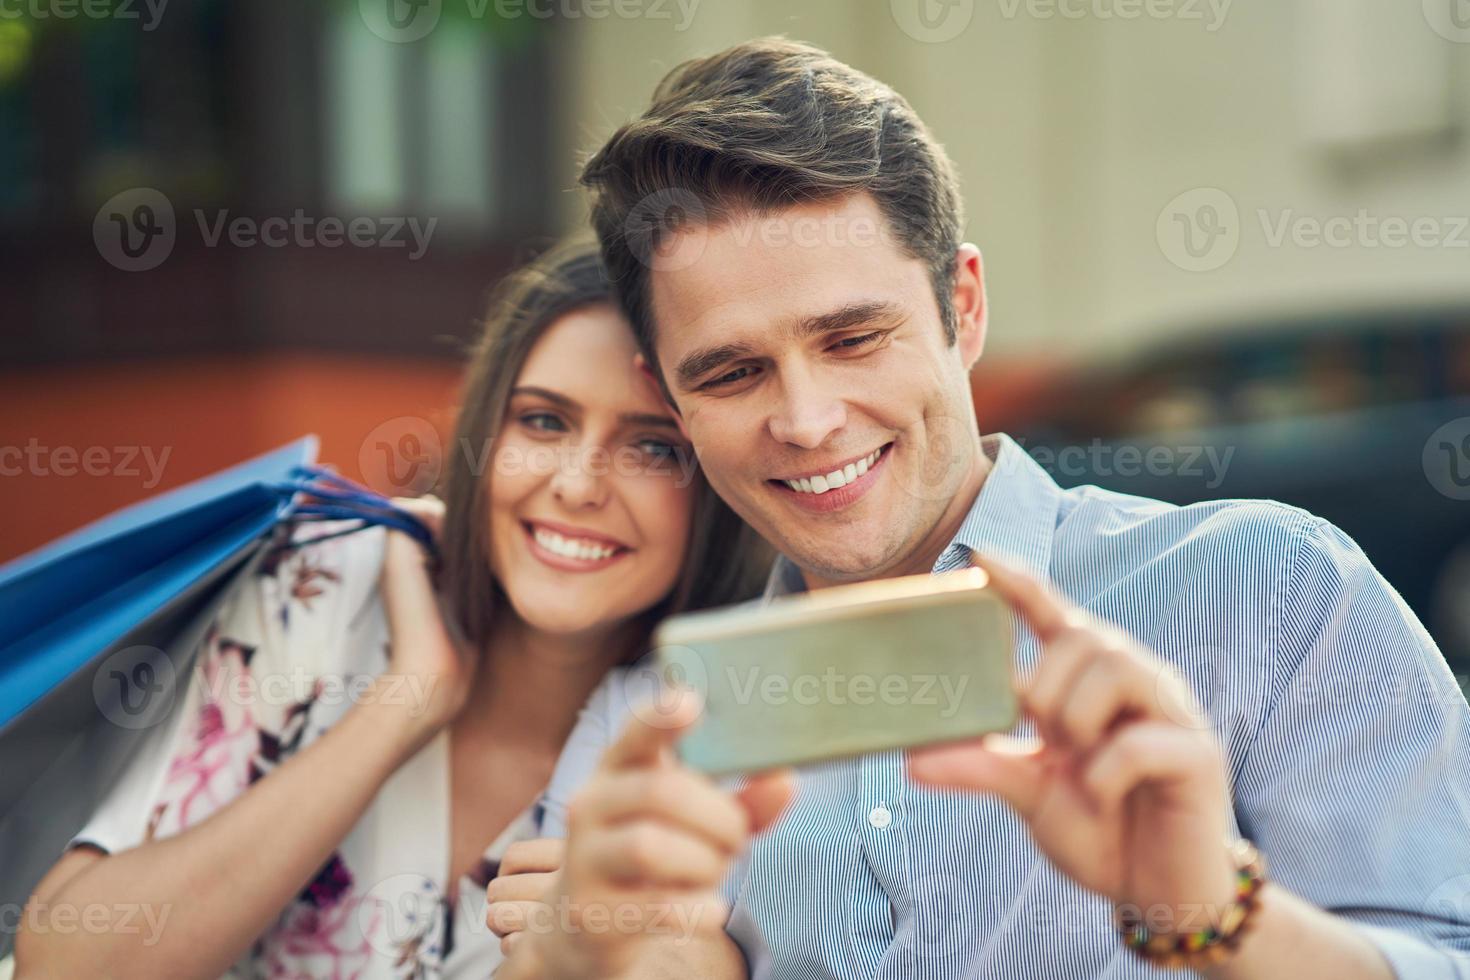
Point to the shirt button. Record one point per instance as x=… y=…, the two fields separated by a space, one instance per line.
x=880 y=817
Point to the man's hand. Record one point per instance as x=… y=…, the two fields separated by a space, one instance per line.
x=648 y=843
x=1125 y=790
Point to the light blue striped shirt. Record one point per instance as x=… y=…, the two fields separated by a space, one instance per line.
x=1344 y=730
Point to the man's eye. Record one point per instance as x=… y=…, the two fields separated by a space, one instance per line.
x=739 y=374
x=851 y=343
x=543 y=422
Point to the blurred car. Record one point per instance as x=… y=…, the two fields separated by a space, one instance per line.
x=1363 y=420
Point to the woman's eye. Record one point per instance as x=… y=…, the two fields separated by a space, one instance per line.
x=543 y=422
x=658 y=449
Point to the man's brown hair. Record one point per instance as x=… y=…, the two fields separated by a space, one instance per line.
x=763 y=126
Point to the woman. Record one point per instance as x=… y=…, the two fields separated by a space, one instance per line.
x=343 y=775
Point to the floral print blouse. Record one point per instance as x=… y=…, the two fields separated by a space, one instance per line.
x=278 y=666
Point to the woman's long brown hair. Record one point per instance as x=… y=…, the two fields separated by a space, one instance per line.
x=725 y=560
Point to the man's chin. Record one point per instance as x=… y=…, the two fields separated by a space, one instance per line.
x=852 y=546
x=841 y=565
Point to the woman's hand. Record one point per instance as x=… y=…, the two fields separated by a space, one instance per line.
x=516 y=900
x=429 y=676
x=269 y=859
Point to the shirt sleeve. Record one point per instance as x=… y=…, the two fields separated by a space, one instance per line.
x=274 y=669
x=1357 y=784
x=599 y=724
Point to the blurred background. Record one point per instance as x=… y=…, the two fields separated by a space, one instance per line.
x=1227 y=243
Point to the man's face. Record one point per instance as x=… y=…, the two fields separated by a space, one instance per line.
x=806 y=354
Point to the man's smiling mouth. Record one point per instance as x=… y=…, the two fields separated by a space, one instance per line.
x=835 y=478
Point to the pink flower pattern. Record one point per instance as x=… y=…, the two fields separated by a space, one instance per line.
x=332 y=929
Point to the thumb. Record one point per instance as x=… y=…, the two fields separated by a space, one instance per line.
x=765 y=796
x=1010 y=768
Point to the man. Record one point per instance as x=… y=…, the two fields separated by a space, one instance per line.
x=785 y=234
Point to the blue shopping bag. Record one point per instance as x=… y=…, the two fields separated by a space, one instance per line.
x=90 y=621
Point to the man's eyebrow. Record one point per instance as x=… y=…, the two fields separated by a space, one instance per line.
x=626 y=418
x=846 y=317
x=694 y=366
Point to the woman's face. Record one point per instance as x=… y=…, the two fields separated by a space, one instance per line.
x=591 y=484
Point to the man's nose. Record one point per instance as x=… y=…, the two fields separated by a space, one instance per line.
x=807 y=414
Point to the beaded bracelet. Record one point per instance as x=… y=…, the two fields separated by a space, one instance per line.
x=1190 y=950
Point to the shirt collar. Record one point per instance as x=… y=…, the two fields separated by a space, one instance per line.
x=1013 y=517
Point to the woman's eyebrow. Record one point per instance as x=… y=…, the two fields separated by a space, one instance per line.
x=554 y=397
x=626 y=418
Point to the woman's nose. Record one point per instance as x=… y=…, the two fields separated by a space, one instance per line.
x=580 y=481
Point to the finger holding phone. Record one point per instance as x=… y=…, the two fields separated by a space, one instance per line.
x=649 y=840
x=1118 y=791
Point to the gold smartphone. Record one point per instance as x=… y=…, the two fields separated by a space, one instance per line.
x=843 y=671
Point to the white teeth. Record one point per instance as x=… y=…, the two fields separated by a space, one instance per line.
x=571 y=547
x=835 y=479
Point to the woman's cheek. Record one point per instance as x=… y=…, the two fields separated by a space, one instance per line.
x=678 y=513
x=666 y=510
x=513 y=470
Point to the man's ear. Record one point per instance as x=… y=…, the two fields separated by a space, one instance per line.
x=641 y=365
x=970 y=307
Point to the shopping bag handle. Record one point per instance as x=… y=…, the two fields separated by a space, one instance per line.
x=315 y=493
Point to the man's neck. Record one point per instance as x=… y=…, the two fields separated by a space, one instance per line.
x=921 y=559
